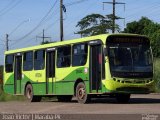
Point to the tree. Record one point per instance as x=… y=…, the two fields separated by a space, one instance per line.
x=45 y=42
x=95 y=24
x=155 y=43
x=149 y=28
x=138 y=27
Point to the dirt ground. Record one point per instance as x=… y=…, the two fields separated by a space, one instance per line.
x=139 y=104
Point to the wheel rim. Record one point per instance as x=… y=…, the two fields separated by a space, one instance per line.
x=81 y=93
x=29 y=93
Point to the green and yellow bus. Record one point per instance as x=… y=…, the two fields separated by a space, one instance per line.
x=116 y=65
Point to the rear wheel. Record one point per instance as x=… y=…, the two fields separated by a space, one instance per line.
x=64 y=98
x=29 y=94
x=123 y=98
x=81 y=93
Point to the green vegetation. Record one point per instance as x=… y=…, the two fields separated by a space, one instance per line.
x=7 y=97
x=96 y=24
x=1 y=74
x=4 y=96
x=149 y=28
x=157 y=74
x=45 y=42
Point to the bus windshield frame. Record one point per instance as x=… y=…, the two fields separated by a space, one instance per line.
x=130 y=57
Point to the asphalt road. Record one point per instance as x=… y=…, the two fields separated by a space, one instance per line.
x=139 y=104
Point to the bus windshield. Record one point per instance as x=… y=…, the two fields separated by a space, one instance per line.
x=130 y=57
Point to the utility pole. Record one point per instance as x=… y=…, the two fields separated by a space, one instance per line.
x=114 y=13
x=7 y=47
x=43 y=37
x=114 y=16
x=61 y=20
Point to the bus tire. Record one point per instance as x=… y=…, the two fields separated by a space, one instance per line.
x=123 y=98
x=81 y=93
x=64 y=98
x=29 y=94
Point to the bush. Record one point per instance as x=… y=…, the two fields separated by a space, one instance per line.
x=157 y=73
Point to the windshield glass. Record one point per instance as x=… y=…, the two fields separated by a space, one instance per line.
x=130 y=56
x=135 y=58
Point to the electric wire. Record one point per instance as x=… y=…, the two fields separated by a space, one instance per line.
x=137 y=10
x=46 y=28
x=89 y=7
x=38 y=25
x=75 y=2
x=10 y=8
x=7 y=6
x=127 y=17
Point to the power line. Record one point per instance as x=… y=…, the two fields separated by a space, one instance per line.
x=114 y=13
x=41 y=22
x=137 y=9
x=7 y=6
x=43 y=37
x=152 y=12
x=46 y=28
x=10 y=8
x=89 y=7
x=75 y=2
x=19 y=26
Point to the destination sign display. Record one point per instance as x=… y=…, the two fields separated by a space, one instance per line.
x=117 y=39
x=139 y=40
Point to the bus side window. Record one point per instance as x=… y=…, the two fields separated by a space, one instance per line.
x=39 y=57
x=9 y=63
x=64 y=56
x=79 y=52
x=28 y=61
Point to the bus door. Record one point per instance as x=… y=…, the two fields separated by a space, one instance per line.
x=17 y=73
x=50 y=70
x=95 y=66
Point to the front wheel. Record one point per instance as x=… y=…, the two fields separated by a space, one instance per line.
x=29 y=94
x=81 y=93
x=123 y=98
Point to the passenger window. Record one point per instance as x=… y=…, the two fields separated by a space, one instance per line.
x=79 y=54
x=9 y=63
x=64 y=56
x=39 y=59
x=28 y=61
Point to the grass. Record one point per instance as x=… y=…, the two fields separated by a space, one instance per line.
x=6 y=97
x=157 y=73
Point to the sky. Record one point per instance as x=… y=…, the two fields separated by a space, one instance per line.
x=24 y=20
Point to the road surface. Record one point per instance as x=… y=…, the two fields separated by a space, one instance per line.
x=139 y=104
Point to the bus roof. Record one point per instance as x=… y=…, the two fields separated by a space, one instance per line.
x=102 y=37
